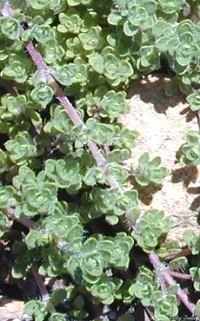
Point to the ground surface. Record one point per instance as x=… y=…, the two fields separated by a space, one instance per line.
x=162 y=123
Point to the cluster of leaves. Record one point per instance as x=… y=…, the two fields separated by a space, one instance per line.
x=94 y=50
x=150 y=228
x=149 y=171
x=191 y=149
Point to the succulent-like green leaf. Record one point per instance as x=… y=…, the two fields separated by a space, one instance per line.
x=7 y=197
x=42 y=94
x=91 y=40
x=150 y=171
x=171 y=6
x=70 y=22
x=190 y=153
x=10 y=27
x=194 y=101
x=17 y=69
x=105 y=289
x=64 y=173
x=43 y=33
x=21 y=149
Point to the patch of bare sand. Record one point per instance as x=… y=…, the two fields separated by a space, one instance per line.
x=162 y=123
x=11 y=310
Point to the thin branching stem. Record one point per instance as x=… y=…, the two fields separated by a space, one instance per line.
x=73 y=115
x=165 y=275
x=43 y=291
x=181 y=276
x=25 y=221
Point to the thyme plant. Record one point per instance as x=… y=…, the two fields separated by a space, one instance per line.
x=65 y=68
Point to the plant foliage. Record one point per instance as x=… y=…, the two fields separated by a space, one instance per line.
x=64 y=190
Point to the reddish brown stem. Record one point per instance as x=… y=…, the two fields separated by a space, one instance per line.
x=165 y=275
x=42 y=288
x=184 y=252
x=181 y=276
x=76 y=120
x=25 y=221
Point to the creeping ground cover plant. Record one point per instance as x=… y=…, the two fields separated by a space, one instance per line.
x=74 y=240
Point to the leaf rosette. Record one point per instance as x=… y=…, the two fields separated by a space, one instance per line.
x=17 y=68
x=21 y=148
x=113 y=104
x=143 y=287
x=150 y=170
x=93 y=39
x=10 y=27
x=42 y=94
x=190 y=152
x=65 y=173
x=7 y=196
x=194 y=101
x=69 y=22
x=122 y=245
x=150 y=228
x=105 y=289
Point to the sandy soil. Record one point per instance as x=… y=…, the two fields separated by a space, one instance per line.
x=162 y=123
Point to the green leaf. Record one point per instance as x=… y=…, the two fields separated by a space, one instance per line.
x=150 y=170
x=118 y=155
x=97 y=62
x=70 y=22
x=149 y=57
x=59 y=122
x=105 y=289
x=143 y=287
x=73 y=47
x=6 y=196
x=3 y=161
x=91 y=40
x=17 y=69
x=171 y=6
x=129 y=29
x=167 y=307
x=151 y=226
x=178 y=263
x=194 y=101
x=4 y=221
x=113 y=104
x=190 y=152
x=53 y=52
x=94 y=175
x=38 y=195
x=56 y=316
x=192 y=240
x=65 y=173
x=42 y=94
x=43 y=33
x=10 y=27
x=99 y=132
x=77 y=2
x=114 y=18
x=36 y=309
x=112 y=219
x=121 y=247
x=38 y=4
x=36 y=239
x=21 y=148
x=71 y=73
x=92 y=265
x=126 y=138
